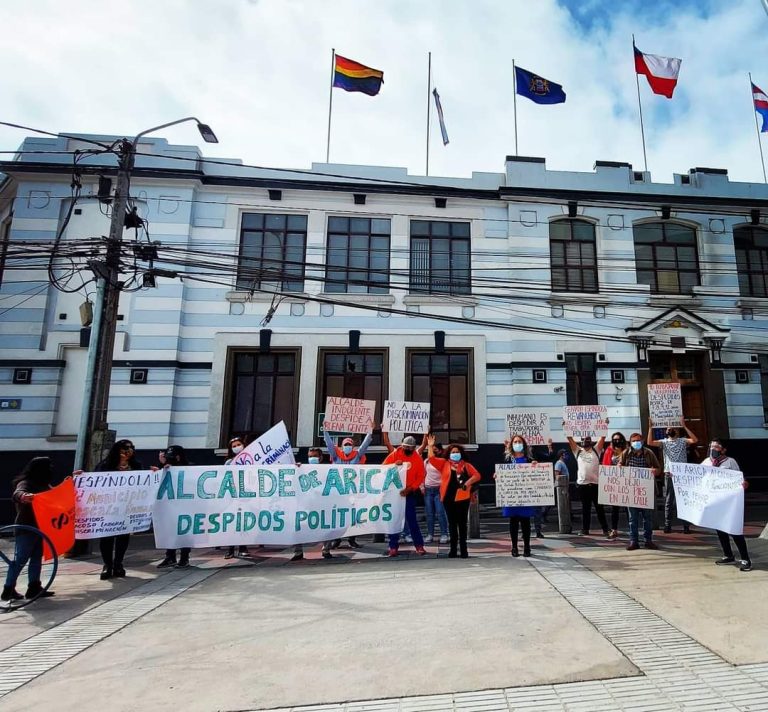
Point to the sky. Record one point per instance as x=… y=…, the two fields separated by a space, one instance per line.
x=258 y=71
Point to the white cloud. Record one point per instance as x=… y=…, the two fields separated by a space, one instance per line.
x=259 y=72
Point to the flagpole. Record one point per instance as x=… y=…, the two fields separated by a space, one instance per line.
x=330 y=107
x=429 y=86
x=757 y=129
x=514 y=99
x=640 y=106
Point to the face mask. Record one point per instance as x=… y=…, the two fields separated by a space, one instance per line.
x=455 y=456
x=313 y=460
x=407 y=451
x=517 y=447
x=714 y=454
x=347 y=449
x=637 y=444
x=237 y=449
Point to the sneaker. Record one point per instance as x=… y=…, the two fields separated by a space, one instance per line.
x=298 y=556
x=453 y=555
x=651 y=545
x=429 y=539
x=539 y=534
x=725 y=560
x=106 y=573
x=515 y=551
x=667 y=529
x=183 y=564
x=686 y=529
x=392 y=553
x=443 y=538
x=10 y=594
x=36 y=590
x=229 y=555
x=613 y=534
x=420 y=550
x=327 y=554
x=745 y=565
x=118 y=571
x=409 y=539
x=353 y=544
x=166 y=563
x=526 y=551
x=582 y=533
x=633 y=545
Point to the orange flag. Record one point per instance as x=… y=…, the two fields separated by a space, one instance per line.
x=55 y=515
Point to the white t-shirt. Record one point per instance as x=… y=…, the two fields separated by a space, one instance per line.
x=589 y=466
x=728 y=464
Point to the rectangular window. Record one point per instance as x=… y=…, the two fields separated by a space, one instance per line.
x=358 y=255
x=573 y=256
x=360 y=375
x=580 y=379
x=272 y=252
x=443 y=380
x=263 y=391
x=440 y=257
x=764 y=384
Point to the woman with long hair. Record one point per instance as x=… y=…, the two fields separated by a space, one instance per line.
x=120 y=458
x=611 y=456
x=516 y=450
x=235 y=446
x=174 y=456
x=32 y=480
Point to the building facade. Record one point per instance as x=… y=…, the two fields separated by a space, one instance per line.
x=529 y=289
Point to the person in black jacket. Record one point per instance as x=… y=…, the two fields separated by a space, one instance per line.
x=121 y=457
x=173 y=457
x=34 y=478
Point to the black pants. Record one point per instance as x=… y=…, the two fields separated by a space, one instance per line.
x=739 y=540
x=588 y=496
x=113 y=549
x=458 y=513
x=615 y=511
x=523 y=523
x=183 y=553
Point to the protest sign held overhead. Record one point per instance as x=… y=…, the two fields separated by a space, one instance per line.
x=532 y=425
x=524 y=485
x=271 y=448
x=665 y=404
x=348 y=415
x=55 y=516
x=709 y=496
x=581 y=421
x=277 y=505
x=626 y=486
x=405 y=417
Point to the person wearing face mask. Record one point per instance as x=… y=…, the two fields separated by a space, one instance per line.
x=637 y=455
x=235 y=447
x=516 y=450
x=407 y=453
x=588 y=464
x=314 y=457
x=719 y=458
x=457 y=477
x=174 y=456
x=611 y=457
x=432 y=502
x=675 y=449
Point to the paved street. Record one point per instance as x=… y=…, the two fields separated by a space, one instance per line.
x=582 y=625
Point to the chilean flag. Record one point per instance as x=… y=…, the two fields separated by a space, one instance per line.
x=661 y=72
x=761 y=105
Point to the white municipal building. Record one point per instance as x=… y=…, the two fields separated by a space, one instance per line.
x=525 y=289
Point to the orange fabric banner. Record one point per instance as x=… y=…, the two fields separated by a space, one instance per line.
x=55 y=515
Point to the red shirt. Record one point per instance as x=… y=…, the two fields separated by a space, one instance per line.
x=416 y=473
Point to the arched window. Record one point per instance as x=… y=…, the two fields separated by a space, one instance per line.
x=751 y=245
x=573 y=256
x=666 y=257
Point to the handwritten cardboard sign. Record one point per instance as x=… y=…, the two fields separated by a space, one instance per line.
x=524 y=485
x=581 y=421
x=348 y=415
x=405 y=417
x=709 y=496
x=665 y=404
x=532 y=425
x=271 y=448
x=626 y=486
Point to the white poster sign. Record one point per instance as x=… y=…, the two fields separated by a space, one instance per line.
x=626 y=486
x=270 y=449
x=665 y=404
x=276 y=505
x=581 y=421
x=348 y=415
x=112 y=503
x=532 y=425
x=524 y=485
x=405 y=417
x=709 y=496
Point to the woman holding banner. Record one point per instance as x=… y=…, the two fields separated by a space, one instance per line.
x=516 y=450
x=174 y=456
x=121 y=457
x=457 y=477
x=718 y=458
x=611 y=456
x=234 y=448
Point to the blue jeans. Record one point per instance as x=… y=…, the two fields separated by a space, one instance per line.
x=413 y=525
x=634 y=513
x=29 y=547
x=434 y=506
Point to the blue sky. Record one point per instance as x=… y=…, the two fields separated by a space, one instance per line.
x=258 y=72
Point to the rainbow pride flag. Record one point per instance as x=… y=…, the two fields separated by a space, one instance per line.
x=353 y=76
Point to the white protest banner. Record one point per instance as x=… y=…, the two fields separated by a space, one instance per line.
x=665 y=404
x=524 y=485
x=348 y=415
x=626 y=486
x=533 y=426
x=581 y=421
x=271 y=448
x=405 y=417
x=709 y=496
x=276 y=505
x=112 y=503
